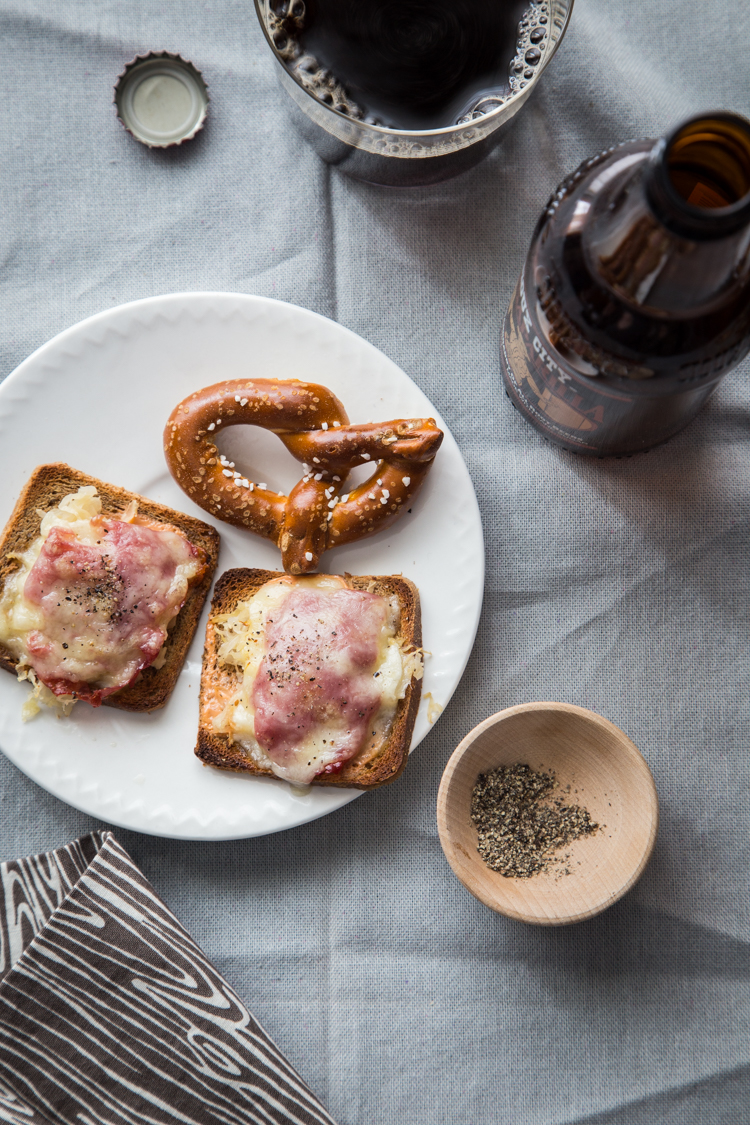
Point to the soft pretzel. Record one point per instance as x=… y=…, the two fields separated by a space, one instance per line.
x=313 y=425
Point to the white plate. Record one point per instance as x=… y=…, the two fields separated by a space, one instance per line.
x=97 y=397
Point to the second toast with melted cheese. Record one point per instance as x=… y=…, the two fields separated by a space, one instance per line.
x=315 y=680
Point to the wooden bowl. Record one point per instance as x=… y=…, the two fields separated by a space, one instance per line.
x=607 y=776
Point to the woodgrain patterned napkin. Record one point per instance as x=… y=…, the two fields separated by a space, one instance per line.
x=110 y=1014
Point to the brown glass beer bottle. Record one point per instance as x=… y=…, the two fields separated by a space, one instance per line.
x=634 y=300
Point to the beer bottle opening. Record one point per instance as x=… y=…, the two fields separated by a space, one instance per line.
x=698 y=180
x=708 y=162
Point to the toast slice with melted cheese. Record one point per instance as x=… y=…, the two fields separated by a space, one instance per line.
x=383 y=754
x=48 y=485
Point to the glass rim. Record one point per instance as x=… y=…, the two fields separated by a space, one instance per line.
x=508 y=100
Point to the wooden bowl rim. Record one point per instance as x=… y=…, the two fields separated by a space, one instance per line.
x=636 y=760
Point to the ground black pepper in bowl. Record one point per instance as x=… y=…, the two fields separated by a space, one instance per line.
x=532 y=781
x=521 y=827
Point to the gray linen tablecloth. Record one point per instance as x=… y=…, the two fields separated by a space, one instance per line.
x=621 y=585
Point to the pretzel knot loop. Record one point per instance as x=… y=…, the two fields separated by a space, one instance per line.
x=311 y=422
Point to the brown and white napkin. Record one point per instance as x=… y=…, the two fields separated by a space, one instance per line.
x=110 y=1014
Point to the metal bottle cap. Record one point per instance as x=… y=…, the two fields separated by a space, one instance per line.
x=161 y=99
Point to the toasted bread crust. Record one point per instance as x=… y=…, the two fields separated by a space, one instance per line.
x=45 y=489
x=377 y=769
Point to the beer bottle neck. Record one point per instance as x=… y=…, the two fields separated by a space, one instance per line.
x=672 y=231
x=697 y=180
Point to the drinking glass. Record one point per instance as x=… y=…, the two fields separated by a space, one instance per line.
x=406 y=157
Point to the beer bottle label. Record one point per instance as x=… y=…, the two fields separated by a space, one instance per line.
x=552 y=395
x=580 y=412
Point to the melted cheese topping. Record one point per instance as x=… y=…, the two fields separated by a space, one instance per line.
x=321 y=671
x=89 y=606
